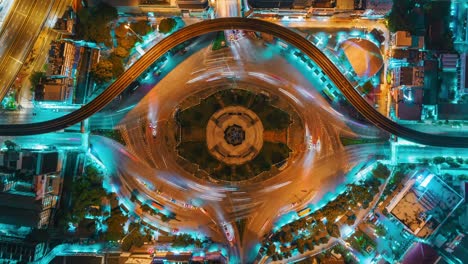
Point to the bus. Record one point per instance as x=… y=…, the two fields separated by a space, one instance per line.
x=304 y=212
x=157 y=205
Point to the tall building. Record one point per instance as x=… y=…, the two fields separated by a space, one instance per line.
x=29 y=194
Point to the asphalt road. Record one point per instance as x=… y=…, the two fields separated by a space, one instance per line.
x=237 y=23
x=259 y=202
x=19 y=33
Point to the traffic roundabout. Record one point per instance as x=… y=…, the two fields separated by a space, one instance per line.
x=234 y=134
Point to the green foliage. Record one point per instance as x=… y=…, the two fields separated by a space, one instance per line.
x=146 y=208
x=184 y=240
x=300 y=245
x=134 y=238
x=272 y=118
x=127 y=42
x=115 y=224
x=103 y=71
x=121 y=31
x=164 y=218
x=355 y=141
x=361 y=241
x=86 y=191
x=333 y=229
x=438 y=160
x=121 y=52
x=117 y=65
x=141 y=27
x=400 y=17
x=380 y=230
x=381 y=171
x=94 y=23
x=166 y=25
x=271 y=249
x=35 y=77
x=10 y=145
x=366 y=88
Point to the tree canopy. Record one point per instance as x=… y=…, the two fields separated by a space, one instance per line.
x=93 y=23
x=166 y=25
x=103 y=71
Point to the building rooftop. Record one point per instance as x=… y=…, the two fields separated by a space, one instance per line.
x=424 y=203
x=453 y=111
x=364 y=56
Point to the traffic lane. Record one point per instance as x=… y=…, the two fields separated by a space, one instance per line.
x=120 y=163
x=21 y=43
x=268 y=210
x=163 y=98
x=14 y=26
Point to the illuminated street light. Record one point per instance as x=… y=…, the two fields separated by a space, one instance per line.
x=127 y=26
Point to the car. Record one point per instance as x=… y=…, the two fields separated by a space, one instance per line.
x=154 y=131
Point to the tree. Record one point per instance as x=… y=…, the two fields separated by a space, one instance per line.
x=86 y=191
x=128 y=42
x=300 y=245
x=117 y=67
x=310 y=244
x=438 y=160
x=381 y=171
x=166 y=25
x=121 y=31
x=36 y=77
x=141 y=27
x=380 y=230
x=10 y=145
x=121 y=52
x=367 y=87
x=271 y=249
x=287 y=236
x=115 y=225
x=145 y=208
x=351 y=219
x=164 y=218
x=93 y=24
x=333 y=230
x=103 y=71
x=184 y=240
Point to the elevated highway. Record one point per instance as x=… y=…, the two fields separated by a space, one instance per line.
x=220 y=24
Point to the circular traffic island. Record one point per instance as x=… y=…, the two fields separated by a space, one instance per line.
x=232 y=135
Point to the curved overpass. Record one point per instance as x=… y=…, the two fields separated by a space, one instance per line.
x=219 y=24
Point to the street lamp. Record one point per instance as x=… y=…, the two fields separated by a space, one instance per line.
x=127 y=26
